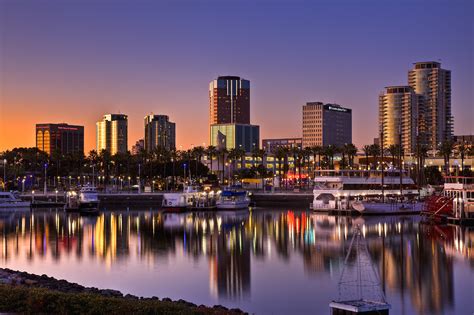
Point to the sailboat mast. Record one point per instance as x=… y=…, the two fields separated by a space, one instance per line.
x=381 y=164
x=400 y=160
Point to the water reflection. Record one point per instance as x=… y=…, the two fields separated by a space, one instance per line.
x=415 y=261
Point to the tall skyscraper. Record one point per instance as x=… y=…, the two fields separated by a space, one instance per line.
x=229 y=114
x=434 y=84
x=326 y=124
x=112 y=133
x=229 y=99
x=399 y=111
x=62 y=138
x=159 y=132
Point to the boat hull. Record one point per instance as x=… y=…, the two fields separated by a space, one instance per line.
x=18 y=204
x=233 y=205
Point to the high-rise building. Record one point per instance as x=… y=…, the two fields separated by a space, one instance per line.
x=159 y=132
x=399 y=114
x=62 y=138
x=112 y=133
x=229 y=114
x=326 y=124
x=229 y=99
x=232 y=136
x=434 y=84
x=270 y=145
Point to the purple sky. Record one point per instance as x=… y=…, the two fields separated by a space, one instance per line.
x=72 y=61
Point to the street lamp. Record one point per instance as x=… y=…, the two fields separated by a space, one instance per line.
x=4 y=174
x=56 y=191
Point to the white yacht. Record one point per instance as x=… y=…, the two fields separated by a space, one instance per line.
x=232 y=200
x=179 y=201
x=12 y=200
x=88 y=198
x=362 y=192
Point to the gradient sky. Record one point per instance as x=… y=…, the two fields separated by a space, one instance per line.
x=73 y=61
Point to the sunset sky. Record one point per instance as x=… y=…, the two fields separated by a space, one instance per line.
x=73 y=61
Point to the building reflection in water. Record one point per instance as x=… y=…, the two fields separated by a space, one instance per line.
x=414 y=259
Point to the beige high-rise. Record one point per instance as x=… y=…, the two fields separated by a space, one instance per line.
x=399 y=112
x=434 y=84
x=112 y=133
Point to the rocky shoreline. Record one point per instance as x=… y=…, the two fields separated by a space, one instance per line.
x=12 y=281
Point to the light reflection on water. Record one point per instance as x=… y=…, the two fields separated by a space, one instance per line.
x=265 y=261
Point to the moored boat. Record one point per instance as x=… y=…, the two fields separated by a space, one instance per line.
x=12 y=200
x=455 y=204
x=232 y=200
x=366 y=192
x=180 y=201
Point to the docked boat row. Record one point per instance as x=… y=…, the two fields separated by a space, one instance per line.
x=191 y=198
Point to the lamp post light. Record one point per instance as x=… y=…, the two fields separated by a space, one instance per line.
x=4 y=174
x=152 y=186
x=32 y=196
x=45 y=178
x=139 y=180
x=56 y=192
x=23 y=185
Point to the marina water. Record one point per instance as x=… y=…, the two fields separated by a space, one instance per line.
x=267 y=261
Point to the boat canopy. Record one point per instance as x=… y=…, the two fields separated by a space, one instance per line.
x=230 y=193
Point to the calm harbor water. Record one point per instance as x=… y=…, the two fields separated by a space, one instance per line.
x=265 y=261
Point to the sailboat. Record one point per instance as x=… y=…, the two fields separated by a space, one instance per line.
x=360 y=291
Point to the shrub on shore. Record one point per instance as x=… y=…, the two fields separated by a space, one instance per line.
x=29 y=300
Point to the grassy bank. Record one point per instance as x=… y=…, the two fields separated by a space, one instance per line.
x=32 y=300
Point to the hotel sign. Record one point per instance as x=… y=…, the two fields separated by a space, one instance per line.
x=337 y=109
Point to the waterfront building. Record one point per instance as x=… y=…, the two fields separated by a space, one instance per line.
x=399 y=115
x=62 y=138
x=326 y=124
x=466 y=139
x=232 y=136
x=138 y=146
x=229 y=99
x=434 y=84
x=159 y=132
x=270 y=145
x=112 y=133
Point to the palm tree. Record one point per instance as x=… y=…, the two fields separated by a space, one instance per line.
x=280 y=155
x=367 y=150
x=260 y=154
x=174 y=155
x=211 y=152
x=329 y=152
x=393 y=149
x=221 y=153
x=317 y=150
x=375 y=152
x=445 y=150
x=197 y=153
x=462 y=149
x=233 y=156
x=343 y=152
x=351 y=151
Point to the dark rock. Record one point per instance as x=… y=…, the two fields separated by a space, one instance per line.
x=167 y=300
x=109 y=292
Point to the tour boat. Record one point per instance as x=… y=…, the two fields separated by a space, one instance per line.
x=455 y=204
x=366 y=192
x=180 y=201
x=88 y=202
x=11 y=200
x=232 y=199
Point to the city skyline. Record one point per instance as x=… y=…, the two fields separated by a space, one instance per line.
x=74 y=76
